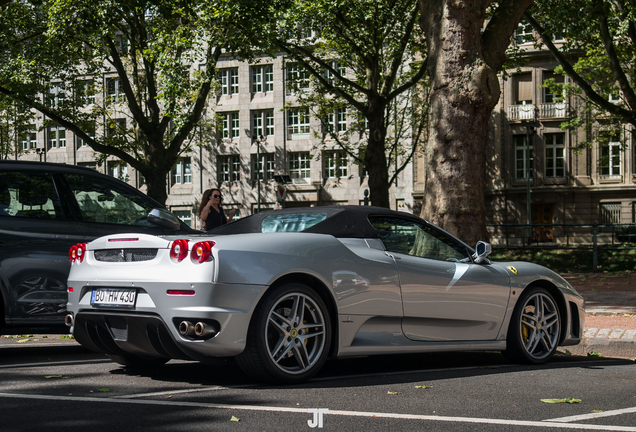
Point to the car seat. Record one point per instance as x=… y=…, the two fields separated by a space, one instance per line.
x=31 y=197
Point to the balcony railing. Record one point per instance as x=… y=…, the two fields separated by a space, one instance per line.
x=530 y=112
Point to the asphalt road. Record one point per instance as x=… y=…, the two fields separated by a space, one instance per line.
x=65 y=388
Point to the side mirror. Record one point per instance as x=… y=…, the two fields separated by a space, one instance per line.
x=164 y=218
x=483 y=250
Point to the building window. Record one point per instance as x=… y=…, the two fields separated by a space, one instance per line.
x=229 y=81
x=182 y=171
x=610 y=162
x=523 y=33
x=329 y=75
x=266 y=161
x=521 y=160
x=116 y=128
x=185 y=216
x=610 y=214
x=114 y=91
x=524 y=91
x=85 y=92
x=229 y=168
x=89 y=130
x=56 y=95
x=28 y=138
x=297 y=77
x=549 y=95
x=263 y=123
x=262 y=78
x=118 y=169
x=554 y=155
x=231 y=127
x=335 y=163
x=56 y=137
x=298 y=119
x=300 y=167
x=337 y=120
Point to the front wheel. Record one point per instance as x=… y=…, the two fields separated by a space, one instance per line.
x=289 y=336
x=535 y=328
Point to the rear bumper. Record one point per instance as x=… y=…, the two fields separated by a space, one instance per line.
x=147 y=335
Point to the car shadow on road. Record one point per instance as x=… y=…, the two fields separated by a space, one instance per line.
x=369 y=371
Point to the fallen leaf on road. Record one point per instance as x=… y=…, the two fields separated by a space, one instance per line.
x=423 y=386
x=392 y=393
x=103 y=390
x=598 y=411
x=23 y=340
x=564 y=400
x=57 y=376
x=235 y=419
x=594 y=354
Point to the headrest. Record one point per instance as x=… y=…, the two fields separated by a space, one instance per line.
x=32 y=197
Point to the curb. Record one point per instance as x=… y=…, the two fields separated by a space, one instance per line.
x=603 y=347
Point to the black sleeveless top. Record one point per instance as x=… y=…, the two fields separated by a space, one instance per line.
x=214 y=220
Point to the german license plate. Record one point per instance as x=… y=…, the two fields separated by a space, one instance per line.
x=118 y=297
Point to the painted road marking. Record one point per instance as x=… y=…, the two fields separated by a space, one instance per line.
x=172 y=403
x=591 y=416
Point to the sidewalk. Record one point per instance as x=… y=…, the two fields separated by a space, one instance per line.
x=610 y=305
x=610 y=325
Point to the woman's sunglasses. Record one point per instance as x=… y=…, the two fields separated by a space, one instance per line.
x=217 y=196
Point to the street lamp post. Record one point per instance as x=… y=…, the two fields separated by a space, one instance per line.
x=258 y=139
x=529 y=132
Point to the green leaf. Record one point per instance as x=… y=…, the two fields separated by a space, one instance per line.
x=57 y=376
x=424 y=386
x=103 y=389
x=235 y=419
x=564 y=400
x=594 y=354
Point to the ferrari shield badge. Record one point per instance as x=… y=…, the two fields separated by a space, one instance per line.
x=512 y=269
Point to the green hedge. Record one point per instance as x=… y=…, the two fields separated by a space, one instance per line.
x=572 y=260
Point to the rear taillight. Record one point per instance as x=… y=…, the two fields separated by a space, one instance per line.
x=179 y=249
x=201 y=251
x=77 y=252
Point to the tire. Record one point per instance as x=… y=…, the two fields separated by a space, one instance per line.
x=289 y=336
x=136 y=362
x=535 y=328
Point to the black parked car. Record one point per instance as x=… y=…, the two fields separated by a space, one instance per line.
x=45 y=209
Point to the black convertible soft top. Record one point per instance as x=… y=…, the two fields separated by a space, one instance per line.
x=348 y=221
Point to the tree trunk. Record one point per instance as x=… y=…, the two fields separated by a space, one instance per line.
x=375 y=158
x=157 y=188
x=464 y=90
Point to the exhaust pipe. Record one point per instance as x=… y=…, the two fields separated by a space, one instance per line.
x=203 y=330
x=69 y=320
x=186 y=328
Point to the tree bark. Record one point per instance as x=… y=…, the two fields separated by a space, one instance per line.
x=464 y=91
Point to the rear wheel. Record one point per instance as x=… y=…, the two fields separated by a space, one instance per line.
x=138 y=362
x=535 y=328
x=289 y=336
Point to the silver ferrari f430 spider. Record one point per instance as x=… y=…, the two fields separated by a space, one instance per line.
x=281 y=291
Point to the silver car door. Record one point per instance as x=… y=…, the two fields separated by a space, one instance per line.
x=446 y=297
x=451 y=301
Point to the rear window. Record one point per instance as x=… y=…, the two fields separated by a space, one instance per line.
x=29 y=195
x=294 y=222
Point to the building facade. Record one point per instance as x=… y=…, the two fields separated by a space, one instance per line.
x=536 y=169
x=262 y=129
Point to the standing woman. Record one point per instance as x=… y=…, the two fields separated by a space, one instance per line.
x=211 y=210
